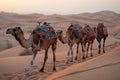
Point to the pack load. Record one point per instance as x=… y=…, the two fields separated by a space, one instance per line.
x=102 y=29
x=76 y=29
x=88 y=32
x=45 y=32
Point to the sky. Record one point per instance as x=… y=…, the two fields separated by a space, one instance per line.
x=58 y=6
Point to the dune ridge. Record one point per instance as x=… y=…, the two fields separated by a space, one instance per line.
x=14 y=67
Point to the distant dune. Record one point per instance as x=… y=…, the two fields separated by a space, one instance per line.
x=29 y=21
x=14 y=19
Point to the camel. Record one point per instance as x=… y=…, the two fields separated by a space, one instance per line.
x=34 y=41
x=74 y=35
x=101 y=33
x=89 y=37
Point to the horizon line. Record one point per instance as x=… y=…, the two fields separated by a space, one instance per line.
x=57 y=13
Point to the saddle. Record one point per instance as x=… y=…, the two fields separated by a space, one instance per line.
x=102 y=30
x=45 y=32
x=75 y=28
x=88 y=32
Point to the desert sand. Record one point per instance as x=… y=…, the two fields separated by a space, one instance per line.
x=103 y=66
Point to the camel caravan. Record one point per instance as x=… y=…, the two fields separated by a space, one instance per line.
x=44 y=36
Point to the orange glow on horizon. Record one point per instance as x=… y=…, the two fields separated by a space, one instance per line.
x=58 y=6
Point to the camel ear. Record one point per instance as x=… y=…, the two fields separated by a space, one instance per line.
x=18 y=28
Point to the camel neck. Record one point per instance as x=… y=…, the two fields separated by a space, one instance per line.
x=26 y=43
x=63 y=39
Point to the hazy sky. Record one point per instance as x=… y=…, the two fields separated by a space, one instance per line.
x=58 y=6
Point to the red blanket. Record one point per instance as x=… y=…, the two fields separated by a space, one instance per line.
x=88 y=33
x=102 y=29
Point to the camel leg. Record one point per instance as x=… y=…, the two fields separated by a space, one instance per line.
x=69 y=52
x=31 y=63
x=104 y=45
x=99 y=46
x=84 y=48
x=77 y=51
x=45 y=59
x=54 y=57
x=83 y=51
x=87 y=49
x=91 y=48
x=71 y=55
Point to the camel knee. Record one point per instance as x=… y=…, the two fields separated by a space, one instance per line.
x=54 y=58
x=32 y=62
x=46 y=57
x=99 y=46
x=34 y=50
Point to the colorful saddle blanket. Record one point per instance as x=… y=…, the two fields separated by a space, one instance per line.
x=76 y=29
x=45 y=32
x=88 y=33
x=102 y=30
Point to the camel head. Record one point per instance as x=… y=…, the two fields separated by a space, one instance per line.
x=16 y=32
x=59 y=33
x=10 y=31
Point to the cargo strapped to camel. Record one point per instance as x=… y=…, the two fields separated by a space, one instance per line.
x=88 y=32
x=76 y=28
x=102 y=29
x=45 y=32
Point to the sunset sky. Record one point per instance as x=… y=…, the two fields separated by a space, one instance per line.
x=58 y=6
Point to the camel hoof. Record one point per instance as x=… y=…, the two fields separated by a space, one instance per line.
x=103 y=51
x=91 y=55
x=83 y=58
x=67 y=62
x=76 y=58
x=28 y=74
x=99 y=52
x=86 y=56
x=41 y=70
x=71 y=60
x=54 y=69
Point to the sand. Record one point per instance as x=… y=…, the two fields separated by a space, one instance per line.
x=104 y=67
x=100 y=67
x=15 y=67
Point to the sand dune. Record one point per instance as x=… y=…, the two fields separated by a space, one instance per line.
x=9 y=52
x=105 y=67
x=29 y=21
x=100 y=67
x=15 y=68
